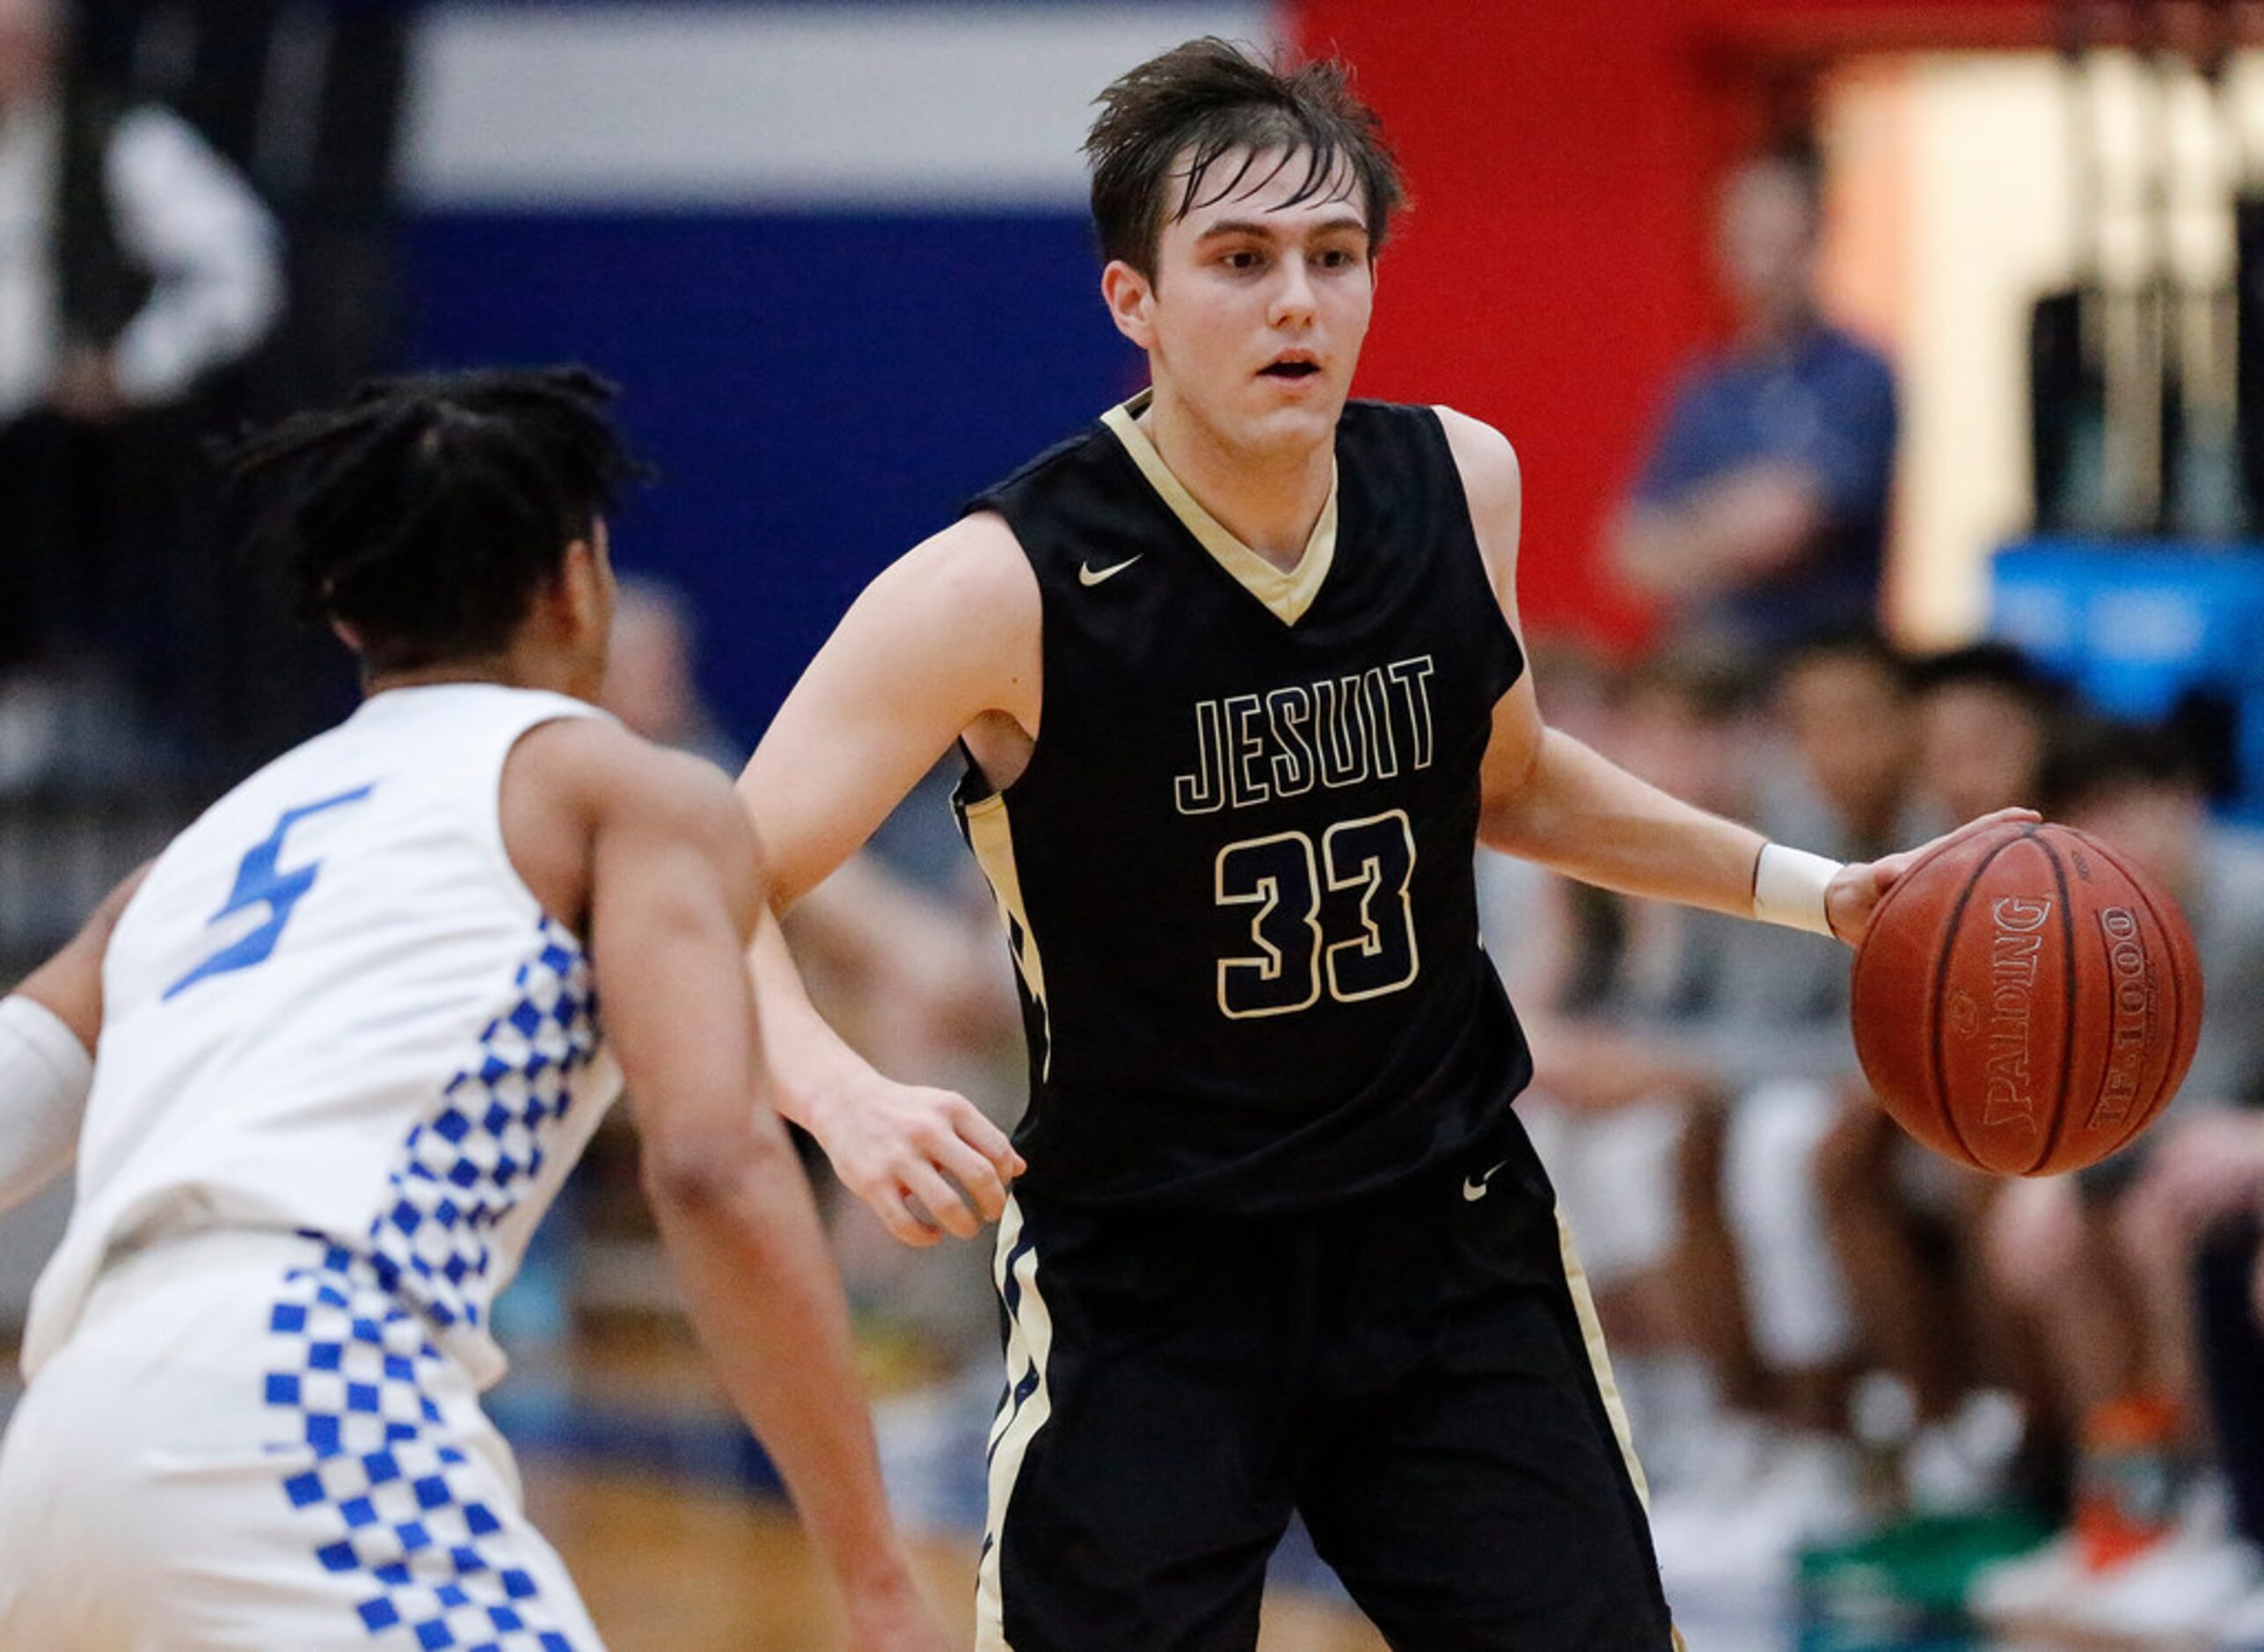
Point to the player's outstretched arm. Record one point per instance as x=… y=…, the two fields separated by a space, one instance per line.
x=48 y=1028
x=675 y=888
x=947 y=636
x=1549 y=798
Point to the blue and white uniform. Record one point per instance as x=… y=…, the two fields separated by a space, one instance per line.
x=346 y=1061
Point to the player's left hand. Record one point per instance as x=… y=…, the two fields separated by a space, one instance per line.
x=925 y=1160
x=1856 y=891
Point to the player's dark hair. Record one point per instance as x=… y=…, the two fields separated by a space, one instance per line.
x=2092 y=756
x=1716 y=681
x=1990 y=664
x=1164 y=126
x=426 y=513
x=1857 y=640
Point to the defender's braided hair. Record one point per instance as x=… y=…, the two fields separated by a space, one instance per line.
x=427 y=512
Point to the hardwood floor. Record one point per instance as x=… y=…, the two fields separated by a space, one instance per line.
x=670 y=1568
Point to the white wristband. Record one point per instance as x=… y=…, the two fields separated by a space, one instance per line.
x=1788 y=888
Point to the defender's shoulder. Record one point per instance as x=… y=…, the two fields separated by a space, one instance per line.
x=619 y=776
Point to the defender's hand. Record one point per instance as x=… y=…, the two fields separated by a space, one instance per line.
x=926 y=1160
x=1856 y=891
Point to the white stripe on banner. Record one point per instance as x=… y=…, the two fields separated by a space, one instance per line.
x=922 y=107
x=1021 y=1414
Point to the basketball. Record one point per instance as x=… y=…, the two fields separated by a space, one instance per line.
x=2026 y=999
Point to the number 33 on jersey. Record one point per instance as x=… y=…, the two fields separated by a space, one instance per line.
x=1236 y=873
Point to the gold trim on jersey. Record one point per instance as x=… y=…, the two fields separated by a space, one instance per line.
x=1599 y=1359
x=1287 y=593
x=989 y=834
x=1029 y=1345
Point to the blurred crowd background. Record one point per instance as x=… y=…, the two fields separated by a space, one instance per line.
x=1889 y=385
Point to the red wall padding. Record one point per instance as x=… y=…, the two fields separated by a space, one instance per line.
x=1552 y=275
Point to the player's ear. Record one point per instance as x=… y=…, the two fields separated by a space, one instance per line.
x=585 y=589
x=1131 y=300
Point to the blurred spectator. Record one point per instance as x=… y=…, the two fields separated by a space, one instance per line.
x=1757 y=1230
x=2092 y=1261
x=133 y=262
x=1695 y=1064
x=1761 y=511
x=648 y=678
x=2203 y=1189
x=1986 y=717
x=1905 y=1224
x=1614 y=991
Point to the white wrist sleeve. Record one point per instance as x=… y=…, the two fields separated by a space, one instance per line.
x=1788 y=888
x=44 y=1075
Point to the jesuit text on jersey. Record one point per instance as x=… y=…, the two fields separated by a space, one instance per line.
x=1339 y=731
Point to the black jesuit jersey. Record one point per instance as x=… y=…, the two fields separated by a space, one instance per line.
x=1237 y=874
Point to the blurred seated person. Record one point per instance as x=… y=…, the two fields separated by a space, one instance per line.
x=2202 y=1189
x=2087 y=1259
x=1761 y=510
x=649 y=681
x=1608 y=986
x=1743 y=1037
x=133 y=262
x=1906 y=1224
x=1987 y=715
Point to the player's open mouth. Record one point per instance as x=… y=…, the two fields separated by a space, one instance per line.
x=1291 y=366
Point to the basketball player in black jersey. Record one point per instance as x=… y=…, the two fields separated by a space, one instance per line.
x=1238 y=674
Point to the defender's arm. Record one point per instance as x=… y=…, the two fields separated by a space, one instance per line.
x=674 y=886
x=48 y=1028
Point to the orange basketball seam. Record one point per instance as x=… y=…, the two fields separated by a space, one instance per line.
x=1937 y=1067
x=2059 y=1119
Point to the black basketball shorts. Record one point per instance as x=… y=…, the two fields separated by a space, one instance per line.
x=1418 y=1375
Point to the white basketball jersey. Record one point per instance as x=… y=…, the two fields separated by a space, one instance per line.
x=334 y=1008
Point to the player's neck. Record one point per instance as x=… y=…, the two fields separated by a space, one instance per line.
x=514 y=668
x=1779 y=331
x=1267 y=500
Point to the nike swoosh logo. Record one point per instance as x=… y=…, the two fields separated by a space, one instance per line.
x=1474 y=1188
x=1087 y=574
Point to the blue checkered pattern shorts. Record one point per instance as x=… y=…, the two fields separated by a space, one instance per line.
x=392 y=1503
x=251 y=1445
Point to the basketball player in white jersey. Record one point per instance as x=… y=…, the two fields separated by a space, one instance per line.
x=348 y=1047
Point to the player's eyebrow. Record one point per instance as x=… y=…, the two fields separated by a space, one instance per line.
x=1268 y=230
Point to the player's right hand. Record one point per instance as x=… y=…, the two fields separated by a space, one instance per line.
x=1855 y=892
x=926 y=1160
